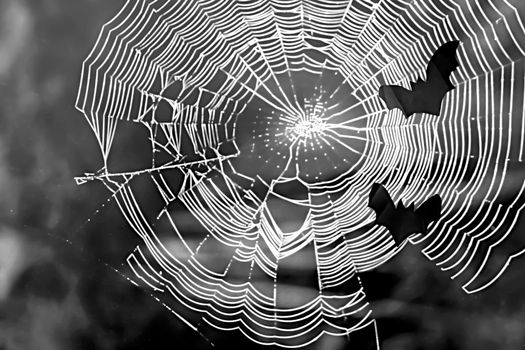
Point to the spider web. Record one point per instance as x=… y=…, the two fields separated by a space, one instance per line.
x=253 y=113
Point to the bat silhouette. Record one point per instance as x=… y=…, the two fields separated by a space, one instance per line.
x=425 y=96
x=400 y=221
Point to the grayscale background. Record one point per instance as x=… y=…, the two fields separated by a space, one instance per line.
x=58 y=255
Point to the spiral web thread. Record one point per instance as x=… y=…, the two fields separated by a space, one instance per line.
x=188 y=72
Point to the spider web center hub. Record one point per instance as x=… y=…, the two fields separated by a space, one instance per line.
x=309 y=125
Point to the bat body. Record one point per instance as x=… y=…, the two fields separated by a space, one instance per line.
x=425 y=96
x=403 y=221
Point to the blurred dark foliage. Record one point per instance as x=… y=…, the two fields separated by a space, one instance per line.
x=60 y=249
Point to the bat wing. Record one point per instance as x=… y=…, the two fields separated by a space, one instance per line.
x=379 y=200
x=402 y=222
x=425 y=96
x=442 y=64
x=396 y=220
x=438 y=83
x=429 y=211
x=396 y=97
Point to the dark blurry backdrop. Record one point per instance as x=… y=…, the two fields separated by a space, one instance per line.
x=59 y=248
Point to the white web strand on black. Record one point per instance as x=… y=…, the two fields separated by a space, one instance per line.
x=237 y=98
